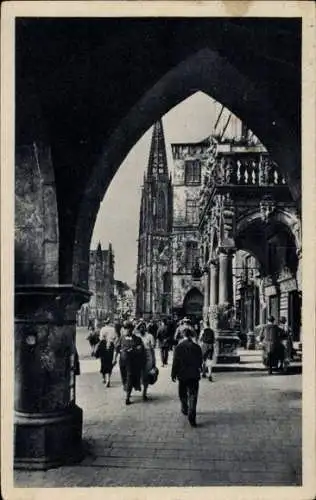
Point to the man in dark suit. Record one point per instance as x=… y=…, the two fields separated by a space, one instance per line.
x=186 y=367
x=271 y=343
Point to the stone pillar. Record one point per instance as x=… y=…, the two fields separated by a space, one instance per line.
x=227 y=341
x=206 y=280
x=225 y=278
x=48 y=423
x=213 y=294
x=251 y=337
x=213 y=283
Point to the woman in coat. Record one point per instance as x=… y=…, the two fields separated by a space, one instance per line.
x=150 y=359
x=131 y=360
x=207 y=340
x=105 y=352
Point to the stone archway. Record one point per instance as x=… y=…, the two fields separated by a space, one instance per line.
x=193 y=304
x=206 y=71
x=91 y=128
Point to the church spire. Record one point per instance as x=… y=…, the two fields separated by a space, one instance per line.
x=99 y=249
x=157 y=163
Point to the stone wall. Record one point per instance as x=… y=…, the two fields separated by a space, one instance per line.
x=36 y=218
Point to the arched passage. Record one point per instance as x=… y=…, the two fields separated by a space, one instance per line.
x=275 y=243
x=193 y=304
x=97 y=100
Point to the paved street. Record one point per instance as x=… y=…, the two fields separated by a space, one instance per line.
x=249 y=432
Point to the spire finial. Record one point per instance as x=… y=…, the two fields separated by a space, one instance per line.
x=157 y=163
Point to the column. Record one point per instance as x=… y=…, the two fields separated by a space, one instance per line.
x=48 y=423
x=213 y=294
x=227 y=341
x=213 y=283
x=206 y=286
x=225 y=277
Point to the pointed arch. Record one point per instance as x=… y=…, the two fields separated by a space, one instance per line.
x=193 y=303
x=205 y=70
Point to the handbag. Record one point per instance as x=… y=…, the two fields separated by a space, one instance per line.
x=153 y=375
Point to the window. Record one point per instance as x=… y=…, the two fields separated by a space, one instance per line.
x=192 y=173
x=166 y=283
x=191 y=254
x=274 y=307
x=161 y=211
x=192 y=213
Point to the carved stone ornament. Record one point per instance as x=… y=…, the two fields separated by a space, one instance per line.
x=267 y=207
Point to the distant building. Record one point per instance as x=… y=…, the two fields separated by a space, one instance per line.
x=125 y=300
x=101 y=284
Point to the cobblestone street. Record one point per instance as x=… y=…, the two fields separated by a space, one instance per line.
x=249 y=431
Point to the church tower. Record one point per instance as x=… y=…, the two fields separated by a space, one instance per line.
x=154 y=267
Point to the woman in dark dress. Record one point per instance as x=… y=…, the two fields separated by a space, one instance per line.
x=132 y=359
x=105 y=352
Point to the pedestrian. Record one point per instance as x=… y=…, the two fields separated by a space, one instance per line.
x=163 y=336
x=93 y=337
x=272 y=348
x=207 y=341
x=287 y=341
x=152 y=328
x=196 y=328
x=132 y=359
x=117 y=345
x=150 y=359
x=186 y=367
x=105 y=351
x=185 y=323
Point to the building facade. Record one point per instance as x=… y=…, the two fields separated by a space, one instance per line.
x=101 y=285
x=230 y=238
x=250 y=236
x=125 y=300
x=187 y=172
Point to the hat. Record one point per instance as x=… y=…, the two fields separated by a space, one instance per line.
x=188 y=333
x=271 y=319
x=141 y=324
x=186 y=320
x=128 y=325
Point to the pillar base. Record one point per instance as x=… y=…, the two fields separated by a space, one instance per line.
x=227 y=343
x=43 y=441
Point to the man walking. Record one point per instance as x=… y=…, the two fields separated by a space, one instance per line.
x=164 y=342
x=185 y=323
x=186 y=367
x=207 y=341
x=271 y=343
x=287 y=342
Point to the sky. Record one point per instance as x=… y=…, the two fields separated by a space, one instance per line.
x=191 y=120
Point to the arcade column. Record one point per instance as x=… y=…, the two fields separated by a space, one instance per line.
x=206 y=286
x=213 y=293
x=227 y=341
x=48 y=423
x=225 y=277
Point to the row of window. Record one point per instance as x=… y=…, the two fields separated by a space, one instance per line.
x=191 y=214
x=192 y=173
x=191 y=256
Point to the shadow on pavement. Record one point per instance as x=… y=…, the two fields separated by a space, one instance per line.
x=292 y=370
